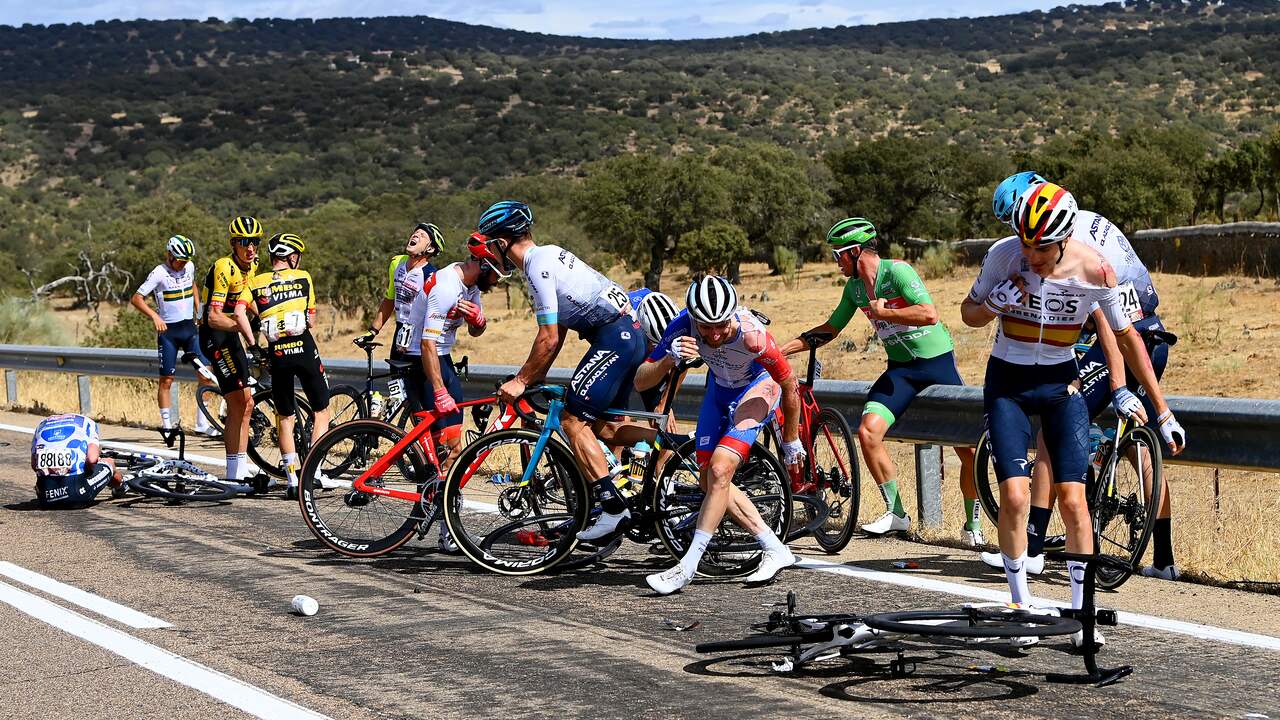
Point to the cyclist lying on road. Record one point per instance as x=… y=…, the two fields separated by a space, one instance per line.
x=69 y=471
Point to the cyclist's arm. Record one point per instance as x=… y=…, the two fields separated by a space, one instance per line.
x=431 y=364
x=974 y=311
x=791 y=347
x=769 y=355
x=659 y=362
x=311 y=301
x=1130 y=342
x=386 y=309
x=546 y=346
x=240 y=320
x=1110 y=350
x=139 y=302
x=920 y=310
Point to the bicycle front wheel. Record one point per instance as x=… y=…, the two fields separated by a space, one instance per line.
x=211 y=404
x=1125 y=502
x=833 y=465
x=514 y=511
x=357 y=523
x=264 y=433
x=180 y=480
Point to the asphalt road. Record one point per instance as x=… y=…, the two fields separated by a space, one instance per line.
x=423 y=635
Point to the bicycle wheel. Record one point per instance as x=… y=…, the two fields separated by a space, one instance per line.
x=504 y=524
x=179 y=480
x=346 y=404
x=264 y=438
x=677 y=498
x=973 y=622
x=984 y=477
x=1125 y=501
x=352 y=522
x=833 y=465
x=210 y=403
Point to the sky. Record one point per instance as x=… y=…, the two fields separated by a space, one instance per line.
x=666 y=19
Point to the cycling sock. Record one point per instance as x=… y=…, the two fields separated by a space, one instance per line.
x=1015 y=571
x=971 y=510
x=1162 y=553
x=1037 y=525
x=892 y=501
x=289 y=463
x=770 y=541
x=242 y=465
x=607 y=493
x=233 y=466
x=166 y=418
x=693 y=556
x=1075 y=569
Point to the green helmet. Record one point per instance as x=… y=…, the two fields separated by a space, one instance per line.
x=850 y=232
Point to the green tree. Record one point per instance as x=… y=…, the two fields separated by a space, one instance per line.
x=715 y=246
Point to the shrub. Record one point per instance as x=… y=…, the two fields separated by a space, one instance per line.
x=130 y=330
x=24 y=322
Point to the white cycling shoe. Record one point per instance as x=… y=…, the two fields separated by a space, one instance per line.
x=669 y=580
x=771 y=562
x=1077 y=638
x=887 y=523
x=606 y=524
x=973 y=538
x=446 y=544
x=1034 y=565
x=1164 y=573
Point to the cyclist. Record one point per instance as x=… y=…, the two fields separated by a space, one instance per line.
x=69 y=471
x=220 y=332
x=655 y=312
x=1042 y=286
x=1102 y=377
x=568 y=294
x=405 y=279
x=921 y=354
x=285 y=301
x=747 y=378
x=173 y=284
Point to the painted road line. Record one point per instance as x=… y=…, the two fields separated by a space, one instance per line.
x=220 y=686
x=1204 y=632
x=162 y=452
x=89 y=601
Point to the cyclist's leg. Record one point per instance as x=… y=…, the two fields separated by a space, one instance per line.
x=1162 y=533
x=167 y=351
x=748 y=417
x=191 y=344
x=1010 y=432
x=283 y=371
x=447 y=430
x=231 y=368
x=1064 y=416
x=887 y=399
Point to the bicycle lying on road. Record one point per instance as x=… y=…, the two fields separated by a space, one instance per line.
x=174 y=479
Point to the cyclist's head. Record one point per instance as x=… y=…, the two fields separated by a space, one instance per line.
x=287 y=247
x=507 y=220
x=655 y=313
x=245 y=233
x=711 y=302
x=848 y=239
x=1043 y=218
x=426 y=239
x=490 y=254
x=180 y=250
x=1009 y=190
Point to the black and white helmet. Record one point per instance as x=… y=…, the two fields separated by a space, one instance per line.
x=655 y=313
x=711 y=300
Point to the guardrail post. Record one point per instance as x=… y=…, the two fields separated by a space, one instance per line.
x=86 y=396
x=929 y=485
x=11 y=387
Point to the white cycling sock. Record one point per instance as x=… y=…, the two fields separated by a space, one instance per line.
x=242 y=466
x=233 y=467
x=1015 y=571
x=769 y=541
x=166 y=418
x=202 y=422
x=1075 y=569
x=693 y=555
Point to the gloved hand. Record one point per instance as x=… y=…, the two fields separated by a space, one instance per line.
x=472 y=313
x=1172 y=432
x=683 y=348
x=792 y=452
x=1128 y=405
x=365 y=339
x=1004 y=296
x=445 y=404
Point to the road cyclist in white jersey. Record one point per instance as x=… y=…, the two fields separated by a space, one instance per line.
x=406 y=276
x=747 y=379
x=1042 y=286
x=69 y=471
x=568 y=294
x=172 y=285
x=1102 y=377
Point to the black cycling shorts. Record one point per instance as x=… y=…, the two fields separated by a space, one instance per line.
x=297 y=357
x=227 y=358
x=63 y=491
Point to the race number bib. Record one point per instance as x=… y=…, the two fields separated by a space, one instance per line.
x=1129 y=301
x=404 y=335
x=55 y=462
x=618 y=299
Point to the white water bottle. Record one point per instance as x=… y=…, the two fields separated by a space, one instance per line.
x=375 y=404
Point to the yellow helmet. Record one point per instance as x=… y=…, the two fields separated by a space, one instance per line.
x=245 y=227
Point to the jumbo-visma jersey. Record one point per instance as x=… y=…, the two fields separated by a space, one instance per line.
x=283 y=299
x=222 y=287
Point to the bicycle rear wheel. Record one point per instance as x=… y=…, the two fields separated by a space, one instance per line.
x=352 y=522
x=833 y=465
x=179 y=480
x=345 y=404
x=210 y=403
x=264 y=436
x=1125 y=502
x=504 y=524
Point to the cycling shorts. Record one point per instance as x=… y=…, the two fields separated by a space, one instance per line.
x=1012 y=394
x=424 y=397
x=181 y=336
x=226 y=357
x=1095 y=376
x=897 y=386
x=297 y=357
x=718 y=424
x=605 y=375
x=63 y=491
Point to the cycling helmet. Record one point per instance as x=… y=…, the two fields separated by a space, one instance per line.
x=1045 y=214
x=417 y=246
x=181 y=248
x=711 y=300
x=506 y=219
x=1008 y=192
x=285 y=244
x=482 y=248
x=655 y=313
x=851 y=232
x=245 y=227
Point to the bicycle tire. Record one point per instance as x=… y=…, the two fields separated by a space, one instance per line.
x=384 y=523
x=346 y=404
x=169 y=479
x=674 y=505
x=839 y=486
x=1105 y=507
x=759 y=642
x=209 y=397
x=984 y=478
x=994 y=623
x=263 y=447
x=480 y=493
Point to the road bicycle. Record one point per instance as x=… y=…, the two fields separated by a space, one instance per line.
x=174 y=479
x=349 y=403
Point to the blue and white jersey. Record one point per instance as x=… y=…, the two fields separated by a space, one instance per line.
x=60 y=445
x=567 y=291
x=635 y=296
x=1137 y=290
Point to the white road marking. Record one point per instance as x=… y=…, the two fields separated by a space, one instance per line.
x=1204 y=632
x=89 y=601
x=222 y=687
x=220 y=462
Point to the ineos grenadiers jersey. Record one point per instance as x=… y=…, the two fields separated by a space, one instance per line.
x=174 y=291
x=60 y=445
x=900 y=287
x=737 y=362
x=1043 y=329
x=566 y=291
x=434 y=315
x=1137 y=291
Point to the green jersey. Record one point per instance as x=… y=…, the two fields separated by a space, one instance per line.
x=901 y=287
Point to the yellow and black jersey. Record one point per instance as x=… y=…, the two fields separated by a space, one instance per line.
x=222 y=287
x=284 y=300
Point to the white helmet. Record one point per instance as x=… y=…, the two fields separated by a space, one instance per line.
x=181 y=248
x=711 y=300
x=655 y=313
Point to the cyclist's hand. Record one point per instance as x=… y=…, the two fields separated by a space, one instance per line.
x=1172 y=432
x=161 y=325
x=792 y=452
x=445 y=404
x=365 y=339
x=683 y=348
x=472 y=313
x=876 y=308
x=1004 y=296
x=1128 y=405
x=257 y=355
x=510 y=390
